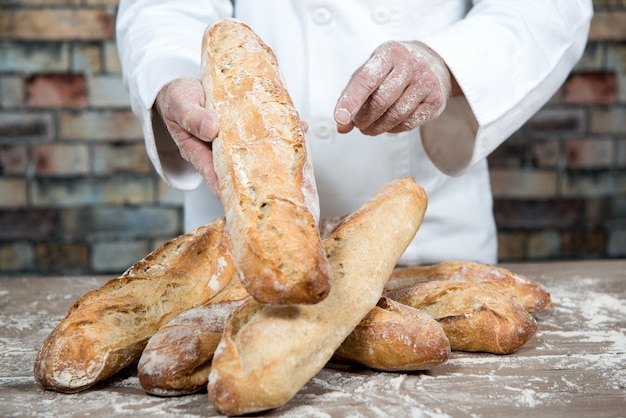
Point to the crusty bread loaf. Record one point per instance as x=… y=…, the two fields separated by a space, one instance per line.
x=264 y=170
x=392 y=336
x=396 y=337
x=107 y=329
x=474 y=316
x=268 y=353
x=533 y=296
x=177 y=359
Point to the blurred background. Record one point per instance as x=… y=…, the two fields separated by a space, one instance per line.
x=79 y=196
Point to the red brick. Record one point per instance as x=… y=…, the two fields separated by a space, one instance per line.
x=589 y=153
x=26 y=126
x=523 y=183
x=30 y=224
x=107 y=223
x=56 y=91
x=608 y=4
x=121 y=157
x=16 y=256
x=511 y=246
x=57 y=24
x=583 y=244
x=13 y=193
x=569 y=121
x=11 y=91
x=116 y=256
x=615 y=56
x=49 y=2
x=56 y=159
x=538 y=214
x=167 y=195
x=588 y=184
x=101 y=2
x=114 y=125
x=510 y=154
x=546 y=153
x=542 y=245
x=107 y=91
x=61 y=257
x=590 y=88
x=111 y=58
x=593 y=59
x=86 y=57
x=598 y=211
x=608 y=26
x=85 y=191
x=608 y=120
x=13 y=160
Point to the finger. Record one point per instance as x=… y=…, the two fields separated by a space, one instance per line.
x=401 y=110
x=210 y=176
x=183 y=104
x=201 y=123
x=200 y=155
x=345 y=128
x=388 y=103
x=361 y=85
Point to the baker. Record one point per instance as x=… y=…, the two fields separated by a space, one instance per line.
x=388 y=88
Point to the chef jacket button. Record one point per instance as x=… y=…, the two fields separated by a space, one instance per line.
x=381 y=15
x=323 y=129
x=322 y=16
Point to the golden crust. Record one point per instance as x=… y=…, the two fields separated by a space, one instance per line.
x=533 y=296
x=265 y=175
x=107 y=329
x=475 y=317
x=396 y=337
x=268 y=353
x=177 y=359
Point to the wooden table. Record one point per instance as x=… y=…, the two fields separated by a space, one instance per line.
x=575 y=366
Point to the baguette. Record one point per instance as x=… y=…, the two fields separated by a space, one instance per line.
x=107 y=328
x=533 y=296
x=475 y=317
x=268 y=353
x=392 y=336
x=177 y=359
x=396 y=337
x=264 y=170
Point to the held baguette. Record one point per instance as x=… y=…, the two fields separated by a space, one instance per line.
x=107 y=328
x=475 y=317
x=396 y=337
x=177 y=359
x=533 y=296
x=264 y=170
x=268 y=353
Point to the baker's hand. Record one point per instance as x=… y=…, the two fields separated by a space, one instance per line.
x=181 y=106
x=401 y=86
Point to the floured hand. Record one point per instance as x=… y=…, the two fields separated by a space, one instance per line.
x=181 y=106
x=400 y=87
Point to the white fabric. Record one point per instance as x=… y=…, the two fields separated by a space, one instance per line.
x=508 y=56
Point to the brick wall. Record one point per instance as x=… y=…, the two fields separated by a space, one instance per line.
x=560 y=182
x=78 y=195
x=77 y=192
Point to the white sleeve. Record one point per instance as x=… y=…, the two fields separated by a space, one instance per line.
x=159 y=41
x=509 y=57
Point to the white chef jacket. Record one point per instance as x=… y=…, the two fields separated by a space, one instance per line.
x=508 y=56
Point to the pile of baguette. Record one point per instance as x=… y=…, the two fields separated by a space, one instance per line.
x=255 y=304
